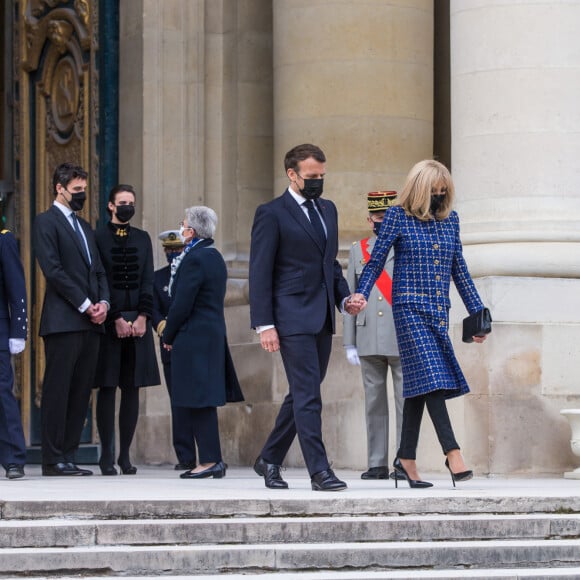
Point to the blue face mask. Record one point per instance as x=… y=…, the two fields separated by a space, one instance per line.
x=171 y=256
x=377 y=227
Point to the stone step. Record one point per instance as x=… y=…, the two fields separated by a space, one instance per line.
x=284 y=504
x=412 y=574
x=71 y=533
x=211 y=558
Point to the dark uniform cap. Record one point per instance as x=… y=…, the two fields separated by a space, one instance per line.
x=381 y=200
x=170 y=239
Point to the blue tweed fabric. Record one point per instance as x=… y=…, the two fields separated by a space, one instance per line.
x=427 y=255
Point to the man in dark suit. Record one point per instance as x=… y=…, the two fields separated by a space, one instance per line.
x=181 y=432
x=13 y=325
x=75 y=306
x=295 y=285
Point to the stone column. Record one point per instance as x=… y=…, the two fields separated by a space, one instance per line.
x=516 y=134
x=355 y=78
x=161 y=146
x=515 y=74
x=196 y=128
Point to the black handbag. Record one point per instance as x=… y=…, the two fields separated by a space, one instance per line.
x=478 y=324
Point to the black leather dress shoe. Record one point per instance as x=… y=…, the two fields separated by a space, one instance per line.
x=185 y=466
x=380 y=472
x=216 y=471
x=271 y=474
x=396 y=475
x=327 y=481
x=60 y=469
x=14 y=470
x=79 y=469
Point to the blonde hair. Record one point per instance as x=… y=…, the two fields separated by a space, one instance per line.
x=415 y=198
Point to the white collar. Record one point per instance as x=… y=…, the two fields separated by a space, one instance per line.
x=300 y=199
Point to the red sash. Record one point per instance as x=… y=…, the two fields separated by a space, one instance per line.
x=384 y=282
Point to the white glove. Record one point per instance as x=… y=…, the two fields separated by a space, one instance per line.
x=352 y=355
x=16 y=345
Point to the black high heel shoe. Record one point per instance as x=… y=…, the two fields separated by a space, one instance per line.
x=107 y=468
x=415 y=483
x=461 y=476
x=126 y=468
x=216 y=471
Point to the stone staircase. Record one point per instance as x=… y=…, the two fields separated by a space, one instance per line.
x=330 y=536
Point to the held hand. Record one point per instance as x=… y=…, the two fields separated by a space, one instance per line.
x=352 y=355
x=140 y=326
x=269 y=340
x=354 y=304
x=167 y=347
x=479 y=339
x=123 y=328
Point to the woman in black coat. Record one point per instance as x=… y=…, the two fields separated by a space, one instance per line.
x=201 y=369
x=127 y=352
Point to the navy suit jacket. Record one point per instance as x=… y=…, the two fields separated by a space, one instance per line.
x=294 y=281
x=70 y=279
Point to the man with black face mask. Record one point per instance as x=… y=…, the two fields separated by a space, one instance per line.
x=295 y=285
x=182 y=435
x=75 y=306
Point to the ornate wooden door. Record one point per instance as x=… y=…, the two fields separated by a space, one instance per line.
x=57 y=119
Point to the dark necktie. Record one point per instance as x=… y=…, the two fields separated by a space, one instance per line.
x=77 y=228
x=316 y=222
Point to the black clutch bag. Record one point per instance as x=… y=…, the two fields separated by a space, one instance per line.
x=478 y=324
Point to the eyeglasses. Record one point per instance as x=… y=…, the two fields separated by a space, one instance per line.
x=182 y=225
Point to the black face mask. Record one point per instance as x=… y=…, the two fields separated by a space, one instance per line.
x=77 y=200
x=171 y=256
x=436 y=203
x=124 y=212
x=312 y=188
x=377 y=227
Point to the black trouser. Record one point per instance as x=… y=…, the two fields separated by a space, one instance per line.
x=71 y=360
x=305 y=358
x=412 y=415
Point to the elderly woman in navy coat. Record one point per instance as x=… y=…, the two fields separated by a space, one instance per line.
x=425 y=234
x=202 y=373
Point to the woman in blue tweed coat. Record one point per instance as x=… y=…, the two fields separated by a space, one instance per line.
x=428 y=253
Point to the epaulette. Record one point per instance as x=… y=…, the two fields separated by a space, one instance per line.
x=5 y=232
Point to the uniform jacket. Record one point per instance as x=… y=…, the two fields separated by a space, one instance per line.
x=70 y=279
x=128 y=262
x=427 y=256
x=373 y=330
x=201 y=366
x=161 y=303
x=294 y=281
x=13 y=317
